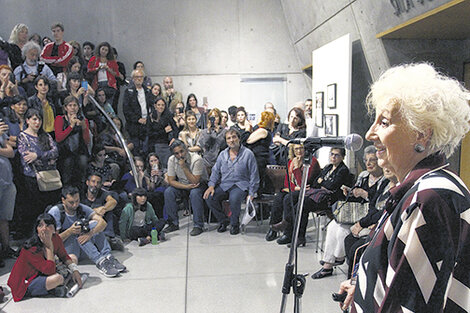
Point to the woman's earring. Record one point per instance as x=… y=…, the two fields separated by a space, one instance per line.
x=419 y=148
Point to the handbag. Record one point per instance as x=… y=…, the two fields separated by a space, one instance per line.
x=250 y=212
x=349 y=212
x=48 y=180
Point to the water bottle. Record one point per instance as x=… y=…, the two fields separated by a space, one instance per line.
x=154 y=235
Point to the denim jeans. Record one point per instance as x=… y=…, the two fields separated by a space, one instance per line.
x=235 y=197
x=96 y=248
x=195 y=197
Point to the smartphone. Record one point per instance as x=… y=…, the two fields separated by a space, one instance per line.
x=85 y=85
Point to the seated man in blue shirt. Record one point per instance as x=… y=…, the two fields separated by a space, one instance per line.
x=77 y=238
x=234 y=176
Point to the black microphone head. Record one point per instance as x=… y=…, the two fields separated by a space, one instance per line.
x=353 y=142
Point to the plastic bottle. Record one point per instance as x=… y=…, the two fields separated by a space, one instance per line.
x=154 y=235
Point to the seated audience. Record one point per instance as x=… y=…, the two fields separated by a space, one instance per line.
x=129 y=180
x=8 y=89
x=186 y=181
x=212 y=139
x=365 y=189
x=77 y=54
x=324 y=191
x=80 y=241
x=282 y=202
x=110 y=140
x=103 y=203
x=136 y=106
x=27 y=72
x=234 y=177
x=38 y=152
x=34 y=273
x=156 y=177
x=178 y=119
x=138 y=219
x=103 y=101
x=160 y=132
x=294 y=129
x=190 y=134
x=109 y=172
x=74 y=66
x=16 y=118
x=73 y=136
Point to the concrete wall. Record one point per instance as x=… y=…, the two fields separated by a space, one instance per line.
x=206 y=45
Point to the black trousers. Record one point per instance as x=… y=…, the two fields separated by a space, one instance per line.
x=144 y=231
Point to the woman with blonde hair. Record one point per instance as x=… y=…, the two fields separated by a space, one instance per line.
x=18 y=38
x=417 y=260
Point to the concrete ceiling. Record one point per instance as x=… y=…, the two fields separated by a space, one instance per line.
x=449 y=21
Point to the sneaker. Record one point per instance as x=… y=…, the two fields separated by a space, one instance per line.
x=161 y=236
x=196 y=231
x=143 y=241
x=107 y=269
x=117 y=265
x=116 y=243
x=171 y=228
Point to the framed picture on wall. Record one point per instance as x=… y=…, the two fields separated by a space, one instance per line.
x=331 y=96
x=331 y=125
x=319 y=109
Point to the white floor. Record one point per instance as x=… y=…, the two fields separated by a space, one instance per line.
x=209 y=273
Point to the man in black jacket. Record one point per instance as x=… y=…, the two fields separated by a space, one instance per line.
x=136 y=108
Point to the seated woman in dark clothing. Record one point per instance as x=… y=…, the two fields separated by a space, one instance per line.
x=160 y=127
x=191 y=105
x=360 y=231
x=282 y=200
x=178 y=119
x=258 y=142
x=108 y=171
x=325 y=190
x=294 y=129
x=73 y=136
x=155 y=175
x=365 y=189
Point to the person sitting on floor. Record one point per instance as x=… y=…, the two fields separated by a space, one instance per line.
x=34 y=273
x=71 y=217
x=138 y=218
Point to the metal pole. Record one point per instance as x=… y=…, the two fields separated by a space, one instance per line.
x=120 y=137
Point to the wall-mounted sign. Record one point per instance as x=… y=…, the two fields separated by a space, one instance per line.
x=404 y=6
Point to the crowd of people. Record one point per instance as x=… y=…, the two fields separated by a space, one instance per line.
x=199 y=160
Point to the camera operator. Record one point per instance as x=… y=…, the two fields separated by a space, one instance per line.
x=103 y=203
x=27 y=72
x=81 y=229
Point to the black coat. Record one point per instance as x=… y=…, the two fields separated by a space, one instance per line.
x=132 y=112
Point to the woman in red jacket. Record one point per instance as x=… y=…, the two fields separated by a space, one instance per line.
x=34 y=273
x=104 y=69
x=72 y=133
x=282 y=200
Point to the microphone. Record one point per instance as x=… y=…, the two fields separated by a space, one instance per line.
x=350 y=142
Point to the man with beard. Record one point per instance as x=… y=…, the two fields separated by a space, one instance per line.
x=81 y=230
x=170 y=95
x=103 y=203
x=31 y=68
x=234 y=177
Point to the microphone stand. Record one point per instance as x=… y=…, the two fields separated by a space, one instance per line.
x=291 y=278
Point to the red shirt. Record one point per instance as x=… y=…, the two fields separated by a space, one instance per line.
x=30 y=264
x=297 y=173
x=93 y=66
x=61 y=134
x=65 y=54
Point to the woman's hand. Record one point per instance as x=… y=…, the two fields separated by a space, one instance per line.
x=347 y=287
x=168 y=129
x=81 y=91
x=356 y=229
x=46 y=238
x=155 y=173
x=360 y=193
x=29 y=157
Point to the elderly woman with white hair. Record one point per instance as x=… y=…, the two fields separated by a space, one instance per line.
x=27 y=72
x=418 y=257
